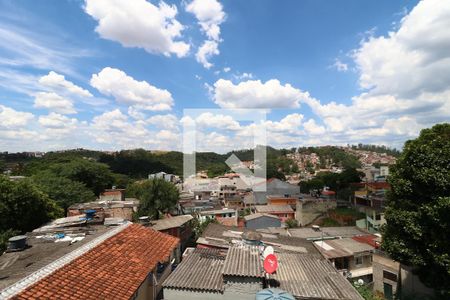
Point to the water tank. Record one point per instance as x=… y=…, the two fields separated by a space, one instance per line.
x=17 y=243
x=252 y=238
x=144 y=220
x=273 y=294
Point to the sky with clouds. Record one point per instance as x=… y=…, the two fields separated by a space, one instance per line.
x=117 y=74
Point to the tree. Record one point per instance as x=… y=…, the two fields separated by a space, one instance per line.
x=96 y=176
x=217 y=169
x=156 y=196
x=418 y=207
x=62 y=190
x=291 y=223
x=23 y=206
x=200 y=226
x=5 y=236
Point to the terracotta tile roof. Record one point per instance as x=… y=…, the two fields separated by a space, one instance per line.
x=368 y=239
x=112 y=270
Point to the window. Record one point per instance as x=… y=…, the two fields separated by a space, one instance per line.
x=389 y=275
x=358 y=260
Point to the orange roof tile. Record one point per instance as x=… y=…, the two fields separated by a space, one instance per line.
x=112 y=270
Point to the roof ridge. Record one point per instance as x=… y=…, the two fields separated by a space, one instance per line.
x=36 y=276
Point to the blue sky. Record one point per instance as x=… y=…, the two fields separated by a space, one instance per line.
x=118 y=74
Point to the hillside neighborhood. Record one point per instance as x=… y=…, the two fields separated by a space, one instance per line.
x=224 y=150
x=212 y=243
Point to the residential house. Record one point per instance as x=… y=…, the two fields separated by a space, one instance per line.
x=370 y=199
x=397 y=281
x=112 y=195
x=260 y=221
x=282 y=200
x=350 y=257
x=107 y=209
x=163 y=175
x=177 y=226
x=225 y=216
x=202 y=188
x=385 y=275
x=274 y=186
x=235 y=202
x=284 y=212
x=384 y=171
x=126 y=262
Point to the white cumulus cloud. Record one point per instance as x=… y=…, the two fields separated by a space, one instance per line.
x=139 y=23
x=58 y=81
x=11 y=118
x=54 y=102
x=206 y=51
x=256 y=94
x=55 y=120
x=210 y=15
x=125 y=89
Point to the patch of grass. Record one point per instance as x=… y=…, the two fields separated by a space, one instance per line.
x=329 y=222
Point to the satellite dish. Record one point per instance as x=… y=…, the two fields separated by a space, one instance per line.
x=272 y=294
x=270 y=263
x=267 y=251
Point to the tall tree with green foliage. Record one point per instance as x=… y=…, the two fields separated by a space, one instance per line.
x=62 y=190
x=96 y=176
x=156 y=197
x=23 y=206
x=418 y=208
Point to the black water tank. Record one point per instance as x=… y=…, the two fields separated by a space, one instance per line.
x=17 y=243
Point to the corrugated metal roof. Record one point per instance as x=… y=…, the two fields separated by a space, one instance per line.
x=218 y=211
x=308 y=232
x=259 y=215
x=243 y=260
x=171 y=222
x=201 y=270
x=274 y=208
x=306 y=276
x=225 y=236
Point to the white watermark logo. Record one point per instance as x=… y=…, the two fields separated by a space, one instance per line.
x=254 y=128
